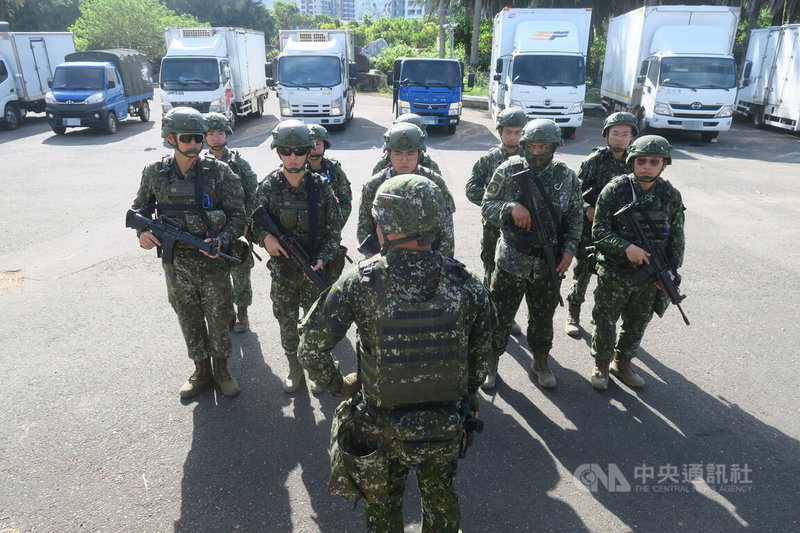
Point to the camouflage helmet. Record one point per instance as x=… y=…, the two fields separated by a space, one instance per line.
x=182 y=120
x=650 y=145
x=218 y=122
x=404 y=137
x=620 y=119
x=409 y=204
x=541 y=130
x=319 y=133
x=413 y=118
x=513 y=117
x=292 y=134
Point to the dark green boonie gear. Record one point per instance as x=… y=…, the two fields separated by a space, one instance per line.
x=650 y=145
x=319 y=133
x=404 y=137
x=292 y=134
x=620 y=118
x=182 y=120
x=414 y=119
x=218 y=122
x=541 y=130
x=513 y=117
x=409 y=204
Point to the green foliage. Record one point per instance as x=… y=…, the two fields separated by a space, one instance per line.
x=135 y=24
x=385 y=60
x=288 y=16
x=42 y=15
x=416 y=33
x=463 y=38
x=251 y=14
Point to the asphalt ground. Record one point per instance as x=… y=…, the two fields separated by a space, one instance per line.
x=95 y=438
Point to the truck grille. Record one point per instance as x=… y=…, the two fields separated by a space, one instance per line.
x=539 y=109
x=312 y=37
x=696 y=110
x=311 y=110
x=200 y=106
x=422 y=108
x=197 y=32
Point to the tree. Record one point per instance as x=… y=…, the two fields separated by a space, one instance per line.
x=251 y=14
x=135 y=24
x=42 y=15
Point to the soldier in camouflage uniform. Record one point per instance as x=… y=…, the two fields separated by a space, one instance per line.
x=660 y=212
x=424 y=159
x=217 y=139
x=603 y=163
x=304 y=203
x=424 y=343
x=331 y=170
x=403 y=143
x=521 y=268
x=205 y=196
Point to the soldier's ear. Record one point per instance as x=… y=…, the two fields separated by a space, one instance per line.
x=171 y=139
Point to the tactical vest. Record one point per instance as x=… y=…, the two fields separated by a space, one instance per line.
x=295 y=214
x=419 y=355
x=328 y=166
x=657 y=232
x=551 y=220
x=193 y=203
x=497 y=159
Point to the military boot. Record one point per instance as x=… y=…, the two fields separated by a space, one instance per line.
x=621 y=369
x=600 y=374
x=540 y=369
x=315 y=387
x=242 y=322
x=223 y=378
x=202 y=375
x=491 y=377
x=515 y=328
x=295 y=377
x=572 y=328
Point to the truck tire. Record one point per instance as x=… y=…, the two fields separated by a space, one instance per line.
x=232 y=118
x=644 y=126
x=451 y=128
x=12 y=116
x=144 y=111
x=569 y=133
x=709 y=136
x=59 y=130
x=112 y=124
x=757 y=116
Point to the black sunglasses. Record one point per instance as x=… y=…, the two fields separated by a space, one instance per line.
x=187 y=138
x=284 y=151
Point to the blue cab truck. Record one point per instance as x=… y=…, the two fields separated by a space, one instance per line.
x=429 y=87
x=98 y=88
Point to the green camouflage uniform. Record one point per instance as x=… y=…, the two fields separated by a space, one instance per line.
x=520 y=270
x=241 y=248
x=482 y=172
x=198 y=287
x=615 y=296
x=596 y=170
x=290 y=289
x=429 y=308
x=424 y=161
x=332 y=171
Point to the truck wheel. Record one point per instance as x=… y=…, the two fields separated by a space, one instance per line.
x=12 y=117
x=451 y=128
x=644 y=126
x=232 y=118
x=709 y=136
x=112 y=124
x=144 y=111
x=59 y=130
x=569 y=133
x=757 y=116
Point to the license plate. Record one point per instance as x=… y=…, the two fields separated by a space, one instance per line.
x=692 y=125
x=72 y=121
x=430 y=120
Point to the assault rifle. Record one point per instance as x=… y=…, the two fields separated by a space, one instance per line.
x=472 y=425
x=298 y=255
x=169 y=231
x=658 y=262
x=590 y=196
x=540 y=235
x=371 y=244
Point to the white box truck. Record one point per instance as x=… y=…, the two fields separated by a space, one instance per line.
x=214 y=69
x=539 y=64
x=769 y=91
x=673 y=67
x=27 y=62
x=316 y=76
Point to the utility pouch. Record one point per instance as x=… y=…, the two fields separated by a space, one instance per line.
x=426 y=434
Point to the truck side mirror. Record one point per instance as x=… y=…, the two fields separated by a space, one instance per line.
x=748 y=69
x=640 y=79
x=111 y=84
x=498 y=77
x=268 y=69
x=352 y=70
x=50 y=83
x=471 y=79
x=498 y=66
x=389 y=78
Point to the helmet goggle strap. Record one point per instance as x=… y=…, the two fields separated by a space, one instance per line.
x=422 y=239
x=190 y=154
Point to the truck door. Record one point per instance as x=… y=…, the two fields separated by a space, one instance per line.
x=397 y=75
x=44 y=71
x=650 y=85
x=115 y=94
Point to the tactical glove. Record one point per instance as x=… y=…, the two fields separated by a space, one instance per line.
x=350 y=385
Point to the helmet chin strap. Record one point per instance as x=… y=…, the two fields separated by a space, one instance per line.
x=616 y=149
x=647 y=179
x=191 y=154
x=218 y=146
x=510 y=148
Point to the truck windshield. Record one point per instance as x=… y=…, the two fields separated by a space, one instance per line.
x=189 y=74
x=431 y=73
x=548 y=71
x=79 y=78
x=309 y=71
x=698 y=72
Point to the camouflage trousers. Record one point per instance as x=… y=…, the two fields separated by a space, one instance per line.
x=583 y=270
x=616 y=298
x=489 y=238
x=506 y=291
x=199 y=291
x=240 y=274
x=289 y=291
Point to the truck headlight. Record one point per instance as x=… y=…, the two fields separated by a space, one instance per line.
x=576 y=108
x=217 y=106
x=403 y=107
x=726 y=111
x=662 y=109
x=49 y=98
x=336 y=107
x=165 y=106
x=95 y=98
x=515 y=103
x=286 y=109
x=455 y=109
